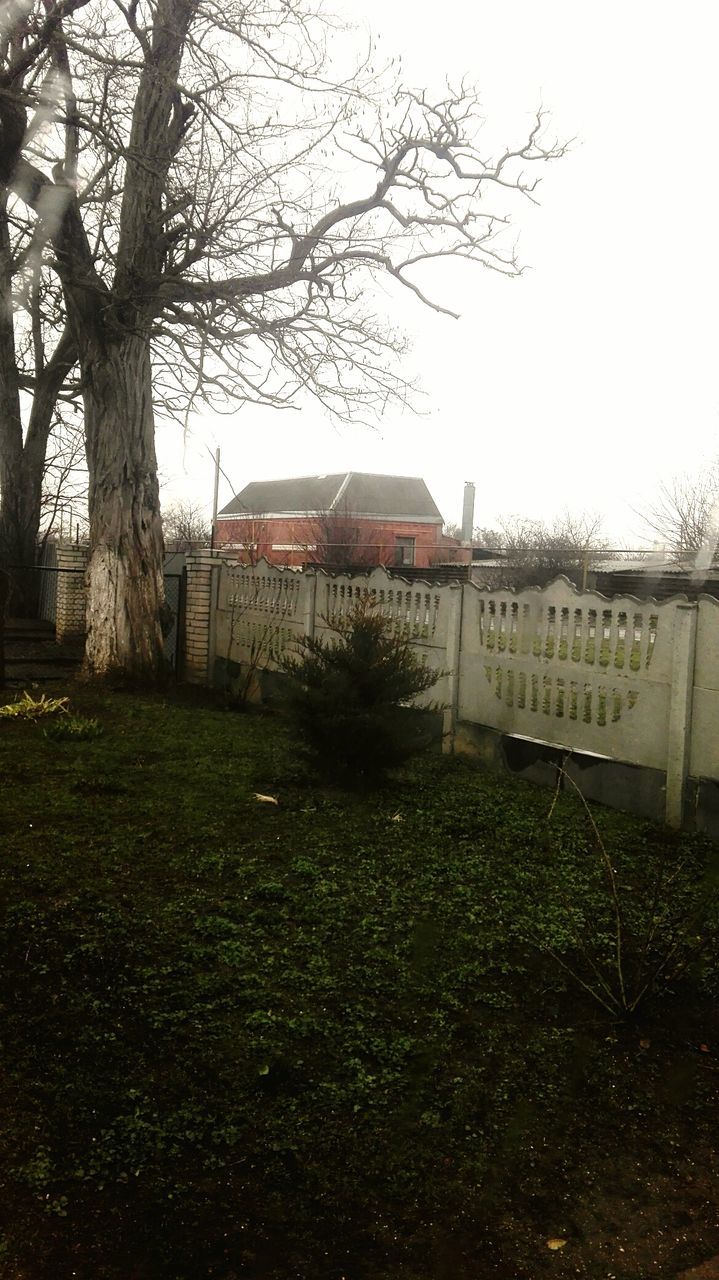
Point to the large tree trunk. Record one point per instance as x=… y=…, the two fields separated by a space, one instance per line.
x=111 y=326
x=125 y=583
x=22 y=460
x=22 y=474
x=19 y=522
x=4 y=593
x=19 y=489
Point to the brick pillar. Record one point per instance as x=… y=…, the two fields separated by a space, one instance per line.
x=72 y=561
x=202 y=567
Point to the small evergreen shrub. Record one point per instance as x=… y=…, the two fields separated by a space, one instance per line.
x=349 y=696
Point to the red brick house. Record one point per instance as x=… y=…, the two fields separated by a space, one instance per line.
x=352 y=519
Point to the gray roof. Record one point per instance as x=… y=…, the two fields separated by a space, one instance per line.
x=654 y=568
x=353 y=492
x=647 y=565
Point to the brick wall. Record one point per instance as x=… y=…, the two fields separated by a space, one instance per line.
x=202 y=567
x=293 y=540
x=71 y=594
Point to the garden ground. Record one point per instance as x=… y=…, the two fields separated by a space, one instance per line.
x=342 y=1036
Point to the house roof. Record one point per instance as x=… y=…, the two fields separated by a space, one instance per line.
x=636 y=566
x=355 y=492
x=656 y=568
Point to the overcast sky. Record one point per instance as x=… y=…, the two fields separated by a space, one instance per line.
x=591 y=378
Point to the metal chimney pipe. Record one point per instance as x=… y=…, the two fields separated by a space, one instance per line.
x=468 y=511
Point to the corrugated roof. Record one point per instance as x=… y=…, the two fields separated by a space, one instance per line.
x=636 y=566
x=653 y=568
x=352 y=492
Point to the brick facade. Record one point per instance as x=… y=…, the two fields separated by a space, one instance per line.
x=296 y=540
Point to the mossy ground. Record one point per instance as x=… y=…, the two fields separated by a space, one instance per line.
x=329 y=1037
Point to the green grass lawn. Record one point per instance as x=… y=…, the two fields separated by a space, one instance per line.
x=336 y=1038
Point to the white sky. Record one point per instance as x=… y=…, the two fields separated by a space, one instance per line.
x=589 y=380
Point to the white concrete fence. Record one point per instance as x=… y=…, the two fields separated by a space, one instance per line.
x=623 y=680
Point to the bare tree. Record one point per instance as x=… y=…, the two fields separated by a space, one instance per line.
x=64 y=484
x=535 y=553
x=230 y=205
x=186 y=526
x=488 y=539
x=37 y=345
x=685 y=516
x=248 y=540
x=340 y=541
x=37 y=355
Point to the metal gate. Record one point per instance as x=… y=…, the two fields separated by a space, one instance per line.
x=46 y=576
x=175 y=601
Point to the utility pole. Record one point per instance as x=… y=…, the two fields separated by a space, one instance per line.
x=215 y=496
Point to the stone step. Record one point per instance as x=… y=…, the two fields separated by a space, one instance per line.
x=52 y=660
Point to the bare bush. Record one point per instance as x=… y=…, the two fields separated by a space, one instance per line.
x=534 y=553
x=685 y=516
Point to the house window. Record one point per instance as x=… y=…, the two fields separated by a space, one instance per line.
x=404 y=551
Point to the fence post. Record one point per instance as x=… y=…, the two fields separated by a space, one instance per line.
x=308 y=620
x=71 y=599
x=453 y=651
x=199 y=607
x=680 y=709
x=215 y=576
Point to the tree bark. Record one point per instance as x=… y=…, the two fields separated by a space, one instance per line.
x=19 y=521
x=22 y=460
x=19 y=500
x=4 y=593
x=125 y=583
x=126 y=605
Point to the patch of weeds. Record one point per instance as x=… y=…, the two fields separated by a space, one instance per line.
x=74 y=728
x=29 y=708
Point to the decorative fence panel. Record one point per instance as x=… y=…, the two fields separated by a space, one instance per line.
x=418 y=612
x=631 y=681
x=575 y=670
x=261 y=611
